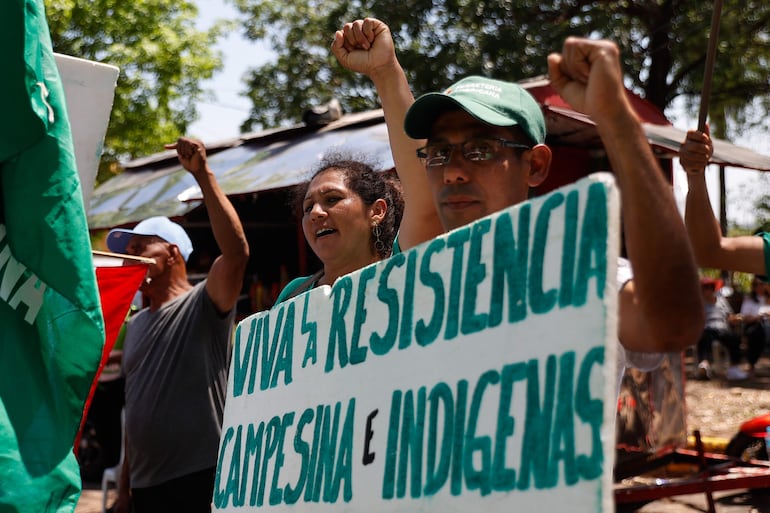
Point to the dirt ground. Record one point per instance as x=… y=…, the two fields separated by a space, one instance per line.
x=717 y=407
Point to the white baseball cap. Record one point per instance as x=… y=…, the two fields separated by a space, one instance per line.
x=159 y=226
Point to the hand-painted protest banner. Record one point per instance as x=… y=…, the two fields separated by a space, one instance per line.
x=475 y=372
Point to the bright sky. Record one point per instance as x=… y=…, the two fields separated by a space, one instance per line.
x=221 y=116
x=220 y=119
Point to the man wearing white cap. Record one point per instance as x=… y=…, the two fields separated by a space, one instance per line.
x=176 y=353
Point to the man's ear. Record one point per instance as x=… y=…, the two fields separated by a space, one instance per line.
x=174 y=254
x=378 y=210
x=539 y=164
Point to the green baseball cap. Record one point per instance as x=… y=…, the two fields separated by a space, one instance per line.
x=494 y=102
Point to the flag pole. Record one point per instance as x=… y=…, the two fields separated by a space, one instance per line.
x=121 y=256
x=704 y=107
x=709 y=69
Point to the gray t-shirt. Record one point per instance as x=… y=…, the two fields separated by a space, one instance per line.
x=175 y=361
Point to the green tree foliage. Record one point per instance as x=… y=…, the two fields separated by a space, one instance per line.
x=162 y=58
x=664 y=45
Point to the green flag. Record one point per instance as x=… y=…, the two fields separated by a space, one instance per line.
x=51 y=329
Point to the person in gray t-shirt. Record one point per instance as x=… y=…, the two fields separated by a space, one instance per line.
x=176 y=353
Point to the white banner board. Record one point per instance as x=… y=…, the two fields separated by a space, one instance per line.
x=89 y=90
x=475 y=372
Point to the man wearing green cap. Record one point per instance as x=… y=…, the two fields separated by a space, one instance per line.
x=490 y=117
x=479 y=145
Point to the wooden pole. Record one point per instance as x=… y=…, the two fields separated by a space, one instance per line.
x=121 y=256
x=709 y=69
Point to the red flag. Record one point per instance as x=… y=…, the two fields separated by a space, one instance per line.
x=117 y=287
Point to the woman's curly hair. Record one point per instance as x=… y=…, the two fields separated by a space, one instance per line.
x=361 y=177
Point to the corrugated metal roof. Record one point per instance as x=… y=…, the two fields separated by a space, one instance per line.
x=274 y=159
x=566 y=126
x=726 y=153
x=158 y=185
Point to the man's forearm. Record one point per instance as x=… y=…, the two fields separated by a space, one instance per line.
x=225 y=223
x=665 y=273
x=420 y=221
x=702 y=225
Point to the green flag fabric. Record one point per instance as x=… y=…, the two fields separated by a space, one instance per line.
x=51 y=328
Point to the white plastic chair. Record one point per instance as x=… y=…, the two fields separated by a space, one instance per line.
x=112 y=474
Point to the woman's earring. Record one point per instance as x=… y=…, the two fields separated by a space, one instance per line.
x=378 y=244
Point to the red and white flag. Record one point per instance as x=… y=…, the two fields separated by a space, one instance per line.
x=117 y=285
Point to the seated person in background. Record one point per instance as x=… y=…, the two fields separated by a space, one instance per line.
x=753 y=318
x=746 y=253
x=350 y=215
x=719 y=315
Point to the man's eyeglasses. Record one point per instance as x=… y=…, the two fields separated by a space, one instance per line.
x=478 y=149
